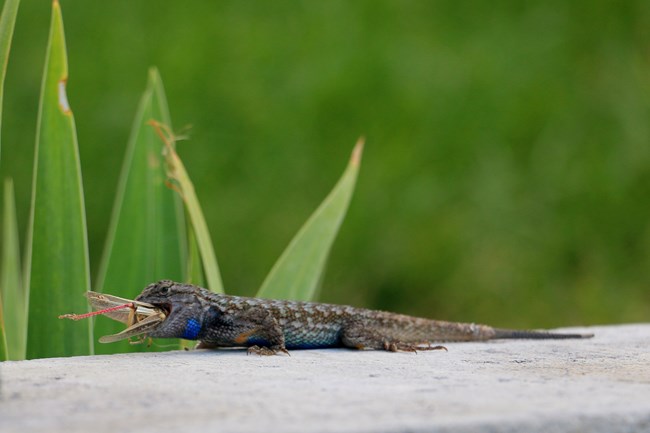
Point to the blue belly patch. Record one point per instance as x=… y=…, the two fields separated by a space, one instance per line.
x=311 y=345
x=192 y=329
x=256 y=341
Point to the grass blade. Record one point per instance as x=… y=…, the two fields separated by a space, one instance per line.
x=146 y=240
x=297 y=273
x=7 y=22
x=57 y=256
x=177 y=173
x=13 y=292
x=194 y=268
x=3 y=339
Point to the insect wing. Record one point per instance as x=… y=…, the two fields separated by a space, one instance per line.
x=102 y=301
x=143 y=327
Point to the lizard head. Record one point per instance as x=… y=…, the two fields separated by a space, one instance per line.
x=171 y=298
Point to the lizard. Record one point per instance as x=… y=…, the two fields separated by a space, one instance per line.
x=268 y=327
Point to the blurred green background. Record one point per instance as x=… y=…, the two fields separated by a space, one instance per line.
x=506 y=175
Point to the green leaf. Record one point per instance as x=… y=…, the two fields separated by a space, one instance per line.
x=13 y=292
x=146 y=240
x=57 y=256
x=7 y=22
x=297 y=273
x=194 y=268
x=177 y=173
x=3 y=339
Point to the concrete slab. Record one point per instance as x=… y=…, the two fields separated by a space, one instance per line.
x=597 y=385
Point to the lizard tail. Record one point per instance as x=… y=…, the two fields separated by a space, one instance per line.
x=538 y=335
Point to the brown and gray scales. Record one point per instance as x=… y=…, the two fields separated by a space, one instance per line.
x=270 y=326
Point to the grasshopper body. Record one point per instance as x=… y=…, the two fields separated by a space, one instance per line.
x=139 y=317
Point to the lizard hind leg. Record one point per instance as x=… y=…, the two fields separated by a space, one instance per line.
x=408 y=347
x=360 y=337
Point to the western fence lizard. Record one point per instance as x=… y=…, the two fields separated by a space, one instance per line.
x=270 y=326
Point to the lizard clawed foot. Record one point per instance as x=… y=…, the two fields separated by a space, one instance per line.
x=266 y=351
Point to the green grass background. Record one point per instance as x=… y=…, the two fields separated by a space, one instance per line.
x=506 y=176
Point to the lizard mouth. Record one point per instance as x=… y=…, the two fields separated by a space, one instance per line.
x=165 y=307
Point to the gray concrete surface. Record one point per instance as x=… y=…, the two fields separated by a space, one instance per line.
x=597 y=385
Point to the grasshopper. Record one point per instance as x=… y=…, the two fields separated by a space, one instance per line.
x=140 y=317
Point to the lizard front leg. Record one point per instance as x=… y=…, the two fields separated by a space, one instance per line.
x=253 y=327
x=258 y=329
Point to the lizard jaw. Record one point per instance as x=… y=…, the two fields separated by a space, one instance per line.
x=166 y=307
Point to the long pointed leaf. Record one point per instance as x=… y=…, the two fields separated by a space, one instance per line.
x=177 y=173
x=146 y=240
x=4 y=355
x=194 y=267
x=7 y=22
x=13 y=292
x=297 y=272
x=3 y=338
x=57 y=257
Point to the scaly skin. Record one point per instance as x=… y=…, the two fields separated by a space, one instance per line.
x=269 y=326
